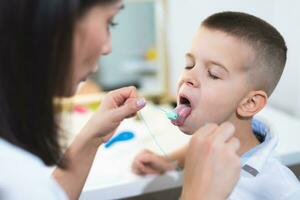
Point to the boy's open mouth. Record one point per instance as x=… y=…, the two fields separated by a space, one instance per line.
x=184 y=100
x=183 y=110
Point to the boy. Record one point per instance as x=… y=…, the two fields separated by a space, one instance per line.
x=233 y=66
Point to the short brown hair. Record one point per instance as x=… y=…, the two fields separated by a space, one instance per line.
x=268 y=44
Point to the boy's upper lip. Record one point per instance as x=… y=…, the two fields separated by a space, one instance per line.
x=186 y=96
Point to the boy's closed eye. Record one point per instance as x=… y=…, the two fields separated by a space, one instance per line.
x=189 y=64
x=212 y=75
x=189 y=67
x=217 y=71
x=190 y=61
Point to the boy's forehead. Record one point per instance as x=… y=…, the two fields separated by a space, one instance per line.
x=218 y=46
x=210 y=36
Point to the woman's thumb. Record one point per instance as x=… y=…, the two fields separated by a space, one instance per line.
x=129 y=108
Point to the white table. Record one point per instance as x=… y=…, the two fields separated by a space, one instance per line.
x=111 y=176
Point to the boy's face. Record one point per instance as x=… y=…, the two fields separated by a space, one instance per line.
x=214 y=80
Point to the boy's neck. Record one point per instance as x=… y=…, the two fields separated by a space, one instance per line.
x=245 y=134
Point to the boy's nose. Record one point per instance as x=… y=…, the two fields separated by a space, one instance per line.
x=190 y=81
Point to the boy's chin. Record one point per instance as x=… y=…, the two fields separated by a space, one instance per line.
x=189 y=129
x=186 y=130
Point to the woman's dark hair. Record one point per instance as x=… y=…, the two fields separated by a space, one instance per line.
x=36 y=39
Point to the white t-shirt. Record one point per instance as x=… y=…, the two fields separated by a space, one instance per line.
x=24 y=176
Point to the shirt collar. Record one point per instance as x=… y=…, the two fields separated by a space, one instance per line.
x=253 y=161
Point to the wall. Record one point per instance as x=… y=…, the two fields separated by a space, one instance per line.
x=133 y=36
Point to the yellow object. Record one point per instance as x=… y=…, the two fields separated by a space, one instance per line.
x=151 y=54
x=94 y=106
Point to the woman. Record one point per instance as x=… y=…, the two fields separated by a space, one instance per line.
x=47 y=48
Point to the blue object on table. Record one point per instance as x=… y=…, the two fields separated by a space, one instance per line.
x=122 y=136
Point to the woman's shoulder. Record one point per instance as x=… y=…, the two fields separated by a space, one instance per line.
x=24 y=174
x=11 y=155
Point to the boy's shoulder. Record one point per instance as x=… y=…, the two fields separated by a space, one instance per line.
x=263 y=176
x=274 y=181
x=279 y=176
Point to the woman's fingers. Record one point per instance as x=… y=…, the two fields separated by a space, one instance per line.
x=131 y=107
x=233 y=144
x=224 y=132
x=122 y=103
x=115 y=107
x=120 y=96
x=206 y=130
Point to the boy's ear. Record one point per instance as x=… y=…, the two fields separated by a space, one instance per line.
x=254 y=102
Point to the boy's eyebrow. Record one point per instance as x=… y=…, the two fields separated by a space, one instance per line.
x=190 y=55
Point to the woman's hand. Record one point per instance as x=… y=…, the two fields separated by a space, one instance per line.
x=212 y=166
x=147 y=162
x=116 y=106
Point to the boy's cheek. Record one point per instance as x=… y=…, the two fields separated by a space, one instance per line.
x=179 y=83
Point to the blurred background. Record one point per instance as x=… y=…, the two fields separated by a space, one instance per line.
x=152 y=37
x=138 y=56
x=149 y=46
x=184 y=18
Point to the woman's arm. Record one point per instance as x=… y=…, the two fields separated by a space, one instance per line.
x=80 y=156
x=116 y=106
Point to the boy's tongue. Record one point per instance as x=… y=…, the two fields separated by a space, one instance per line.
x=183 y=112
